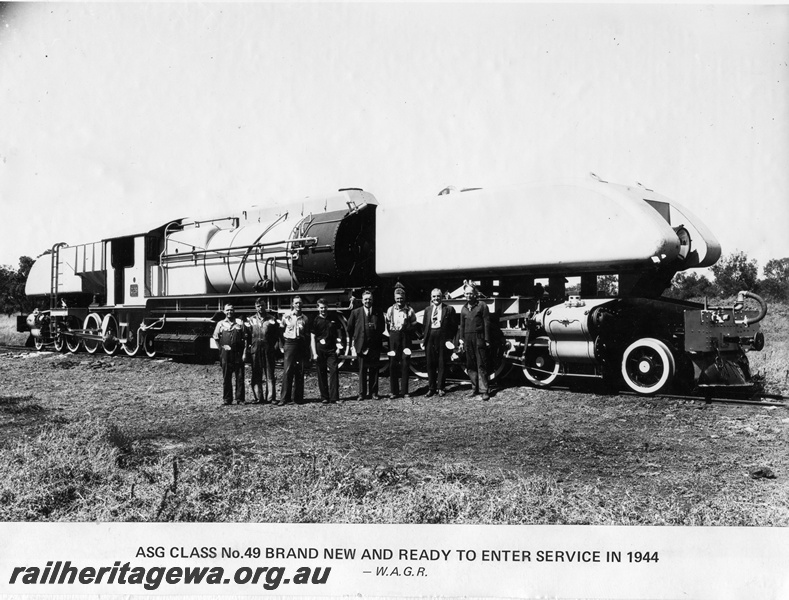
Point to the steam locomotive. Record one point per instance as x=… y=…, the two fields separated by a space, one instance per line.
x=161 y=291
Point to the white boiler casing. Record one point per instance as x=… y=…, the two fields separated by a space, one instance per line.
x=590 y=226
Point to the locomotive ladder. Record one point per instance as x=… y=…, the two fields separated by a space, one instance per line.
x=54 y=275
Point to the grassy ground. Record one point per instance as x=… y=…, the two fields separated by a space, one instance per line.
x=105 y=438
x=111 y=438
x=773 y=361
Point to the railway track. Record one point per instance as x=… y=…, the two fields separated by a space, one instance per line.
x=758 y=399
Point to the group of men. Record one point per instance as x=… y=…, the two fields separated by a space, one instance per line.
x=260 y=337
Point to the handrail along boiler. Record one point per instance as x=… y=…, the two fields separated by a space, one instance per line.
x=160 y=291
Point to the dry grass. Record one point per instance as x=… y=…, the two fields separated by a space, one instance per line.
x=91 y=471
x=111 y=438
x=8 y=332
x=773 y=361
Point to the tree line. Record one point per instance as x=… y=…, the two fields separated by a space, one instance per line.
x=731 y=273
x=12 y=287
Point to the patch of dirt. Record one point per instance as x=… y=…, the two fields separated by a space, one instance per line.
x=638 y=445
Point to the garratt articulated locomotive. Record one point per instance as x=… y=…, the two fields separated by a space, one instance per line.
x=160 y=291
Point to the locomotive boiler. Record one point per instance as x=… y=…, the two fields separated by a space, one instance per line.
x=160 y=291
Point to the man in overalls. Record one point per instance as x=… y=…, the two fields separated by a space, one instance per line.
x=229 y=336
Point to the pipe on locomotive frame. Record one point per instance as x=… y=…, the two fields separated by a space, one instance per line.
x=239 y=250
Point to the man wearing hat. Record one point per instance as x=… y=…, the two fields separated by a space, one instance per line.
x=400 y=320
x=230 y=337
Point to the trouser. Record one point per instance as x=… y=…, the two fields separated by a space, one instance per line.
x=368 y=372
x=293 y=371
x=263 y=359
x=476 y=361
x=328 y=377
x=435 y=353
x=232 y=372
x=398 y=364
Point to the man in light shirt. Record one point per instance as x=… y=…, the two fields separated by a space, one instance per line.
x=400 y=320
x=296 y=344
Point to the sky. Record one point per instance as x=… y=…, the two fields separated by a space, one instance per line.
x=115 y=118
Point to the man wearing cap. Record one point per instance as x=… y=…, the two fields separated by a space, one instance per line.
x=366 y=328
x=439 y=327
x=400 y=320
x=326 y=347
x=474 y=335
x=263 y=333
x=230 y=337
x=296 y=336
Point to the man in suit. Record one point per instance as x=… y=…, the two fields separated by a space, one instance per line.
x=439 y=326
x=366 y=328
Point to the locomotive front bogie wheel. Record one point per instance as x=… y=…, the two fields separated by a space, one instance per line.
x=38 y=342
x=539 y=367
x=109 y=332
x=92 y=326
x=648 y=366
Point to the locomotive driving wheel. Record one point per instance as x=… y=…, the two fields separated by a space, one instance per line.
x=539 y=367
x=345 y=339
x=60 y=342
x=132 y=344
x=417 y=363
x=648 y=366
x=109 y=331
x=149 y=345
x=72 y=343
x=92 y=326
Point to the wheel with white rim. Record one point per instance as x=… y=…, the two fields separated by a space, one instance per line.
x=109 y=332
x=342 y=332
x=539 y=367
x=60 y=342
x=92 y=326
x=132 y=345
x=648 y=366
x=74 y=344
x=149 y=345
